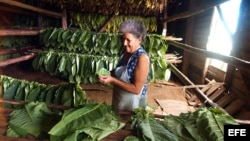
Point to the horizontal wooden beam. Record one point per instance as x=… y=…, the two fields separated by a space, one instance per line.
x=17 y=59
x=238 y=63
x=32 y=8
x=15 y=50
x=16 y=11
x=193 y=12
x=21 y=32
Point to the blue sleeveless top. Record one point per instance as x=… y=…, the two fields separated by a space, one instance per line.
x=131 y=64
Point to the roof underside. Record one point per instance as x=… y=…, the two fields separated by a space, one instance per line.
x=108 y=7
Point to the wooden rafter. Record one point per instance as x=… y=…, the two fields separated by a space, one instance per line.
x=15 y=50
x=193 y=12
x=13 y=32
x=17 y=59
x=109 y=20
x=32 y=8
x=237 y=62
x=18 y=11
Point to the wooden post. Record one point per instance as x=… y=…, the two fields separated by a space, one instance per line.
x=64 y=19
x=188 y=40
x=165 y=15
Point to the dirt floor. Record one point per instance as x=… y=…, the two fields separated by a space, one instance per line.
x=165 y=97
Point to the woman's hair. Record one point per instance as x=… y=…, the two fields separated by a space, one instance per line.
x=137 y=28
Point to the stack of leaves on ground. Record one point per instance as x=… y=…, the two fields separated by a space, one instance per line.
x=203 y=124
x=91 y=121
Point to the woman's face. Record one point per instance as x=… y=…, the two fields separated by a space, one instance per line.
x=130 y=42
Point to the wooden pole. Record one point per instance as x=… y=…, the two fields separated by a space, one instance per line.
x=188 y=39
x=193 y=12
x=184 y=79
x=15 y=50
x=32 y=8
x=16 y=60
x=110 y=19
x=13 y=32
x=165 y=15
x=239 y=63
x=17 y=11
x=64 y=19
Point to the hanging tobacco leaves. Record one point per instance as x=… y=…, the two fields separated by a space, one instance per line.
x=70 y=94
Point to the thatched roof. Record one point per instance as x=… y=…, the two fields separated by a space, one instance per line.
x=123 y=7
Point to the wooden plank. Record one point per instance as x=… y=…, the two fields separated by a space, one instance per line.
x=204 y=89
x=4 y=138
x=172 y=58
x=20 y=32
x=15 y=50
x=32 y=8
x=16 y=11
x=16 y=60
x=174 y=107
x=215 y=73
x=208 y=86
x=213 y=89
x=219 y=93
x=172 y=38
x=225 y=100
x=234 y=106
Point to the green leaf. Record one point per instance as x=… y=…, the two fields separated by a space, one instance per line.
x=34 y=93
x=167 y=74
x=211 y=123
x=103 y=71
x=78 y=118
x=31 y=119
x=62 y=63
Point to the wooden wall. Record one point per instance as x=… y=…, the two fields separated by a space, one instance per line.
x=240 y=81
x=195 y=66
x=198 y=38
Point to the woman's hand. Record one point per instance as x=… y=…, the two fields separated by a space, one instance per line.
x=105 y=79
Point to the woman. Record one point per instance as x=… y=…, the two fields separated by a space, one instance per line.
x=130 y=77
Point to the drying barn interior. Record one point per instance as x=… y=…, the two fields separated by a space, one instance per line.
x=202 y=48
